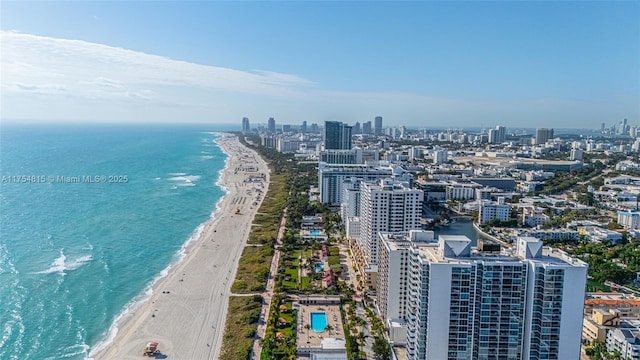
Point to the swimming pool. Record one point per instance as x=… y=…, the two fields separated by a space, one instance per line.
x=315 y=232
x=319 y=267
x=318 y=321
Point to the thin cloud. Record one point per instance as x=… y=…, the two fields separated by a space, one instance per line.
x=61 y=79
x=84 y=65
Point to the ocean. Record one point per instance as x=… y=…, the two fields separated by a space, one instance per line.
x=90 y=217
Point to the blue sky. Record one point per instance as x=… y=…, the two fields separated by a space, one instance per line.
x=519 y=64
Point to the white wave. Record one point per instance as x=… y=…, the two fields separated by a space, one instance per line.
x=57 y=265
x=75 y=350
x=177 y=174
x=156 y=178
x=60 y=264
x=206 y=157
x=185 y=180
x=14 y=325
x=79 y=262
x=6 y=265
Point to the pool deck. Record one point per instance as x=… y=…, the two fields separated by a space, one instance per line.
x=310 y=338
x=313 y=234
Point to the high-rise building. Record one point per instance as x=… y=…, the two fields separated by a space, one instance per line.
x=386 y=206
x=354 y=156
x=337 y=135
x=440 y=156
x=246 y=127
x=576 y=154
x=543 y=135
x=377 y=129
x=466 y=304
x=331 y=178
x=491 y=136
x=497 y=135
x=366 y=128
x=392 y=281
x=271 y=126
x=303 y=128
x=356 y=128
x=623 y=127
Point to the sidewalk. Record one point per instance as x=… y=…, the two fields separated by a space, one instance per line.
x=268 y=293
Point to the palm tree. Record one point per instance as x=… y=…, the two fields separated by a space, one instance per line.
x=328 y=328
x=361 y=337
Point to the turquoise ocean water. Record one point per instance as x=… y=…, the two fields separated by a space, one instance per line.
x=80 y=244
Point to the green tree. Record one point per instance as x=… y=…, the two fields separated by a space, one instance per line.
x=381 y=348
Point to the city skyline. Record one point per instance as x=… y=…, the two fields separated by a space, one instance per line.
x=419 y=64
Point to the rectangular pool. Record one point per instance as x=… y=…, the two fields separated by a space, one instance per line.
x=318 y=321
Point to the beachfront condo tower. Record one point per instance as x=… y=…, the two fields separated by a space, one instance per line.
x=461 y=303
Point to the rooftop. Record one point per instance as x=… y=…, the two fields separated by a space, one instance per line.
x=433 y=253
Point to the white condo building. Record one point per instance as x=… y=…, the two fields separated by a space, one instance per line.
x=523 y=304
x=386 y=206
x=392 y=282
x=625 y=339
x=440 y=156
x=489 y=210
x=629 y=219
x=458 y=191
x=331 y=178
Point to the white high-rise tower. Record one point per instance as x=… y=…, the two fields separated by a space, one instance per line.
x=465 y=304
x=387 y=206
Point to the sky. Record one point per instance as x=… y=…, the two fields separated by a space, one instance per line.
x=415 y=63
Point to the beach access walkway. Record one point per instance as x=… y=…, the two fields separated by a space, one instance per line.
x=268 y=292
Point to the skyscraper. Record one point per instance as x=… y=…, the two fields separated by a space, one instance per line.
x=393 y=282
x=331 y=178
x=366 y=128
x=303 y=128
x=337 y=135
x=387 y=206
x=356 y=128
x=522 y=304
x=271 y=126
x=497 y=135
x=543 y=135
x=377 y=129
x=246 y=127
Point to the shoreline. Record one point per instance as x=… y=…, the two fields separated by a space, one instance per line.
x=197 y=284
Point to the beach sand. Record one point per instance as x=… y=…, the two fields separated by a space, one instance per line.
x=186 y=312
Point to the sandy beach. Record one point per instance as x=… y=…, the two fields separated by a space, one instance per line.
x=186 y=312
